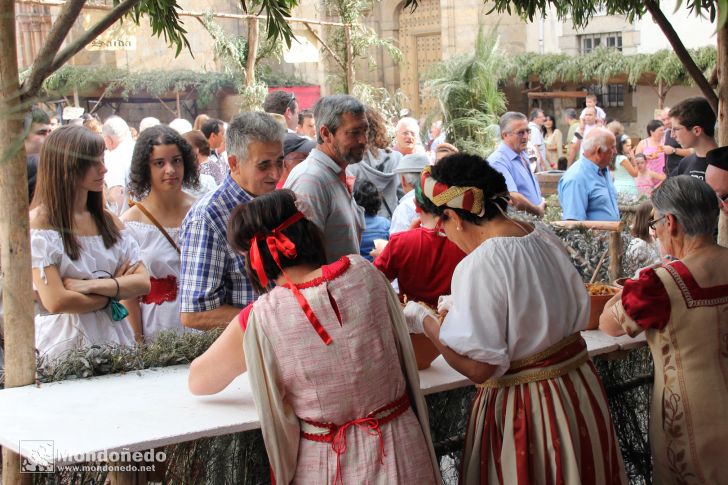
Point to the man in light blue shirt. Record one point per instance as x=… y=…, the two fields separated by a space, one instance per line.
x=586 y=191
x=511 y=159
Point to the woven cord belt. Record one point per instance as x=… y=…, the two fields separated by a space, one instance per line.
x=371 y=423
x=556 y=361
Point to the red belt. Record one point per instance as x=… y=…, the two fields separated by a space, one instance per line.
x=336 y=434
x=162 y=289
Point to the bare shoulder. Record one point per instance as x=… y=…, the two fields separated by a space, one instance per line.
x=133 y=214
x=39 y=218
x=117 y=222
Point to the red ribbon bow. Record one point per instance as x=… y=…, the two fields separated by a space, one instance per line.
x=338 y=444
x=279 y=242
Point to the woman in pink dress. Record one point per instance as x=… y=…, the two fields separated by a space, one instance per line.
x=654 y=148
x=646 y=179
x=332 y=369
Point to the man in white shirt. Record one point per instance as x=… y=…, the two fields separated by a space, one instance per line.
x=117 y=157
x=535 y=122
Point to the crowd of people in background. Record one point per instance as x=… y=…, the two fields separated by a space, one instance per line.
x=308 y=235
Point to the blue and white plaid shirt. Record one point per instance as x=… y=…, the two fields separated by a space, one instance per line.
x=212 y=274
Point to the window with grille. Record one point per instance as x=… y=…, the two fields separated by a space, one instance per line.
x=589 y=42
x=609 y=95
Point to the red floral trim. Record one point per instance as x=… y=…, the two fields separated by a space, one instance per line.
x=161 y=290
x=329 y=272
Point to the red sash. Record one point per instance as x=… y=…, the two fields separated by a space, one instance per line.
x=162 y=289
x=371 y=423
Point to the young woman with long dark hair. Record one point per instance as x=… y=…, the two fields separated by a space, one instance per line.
x=83 y=259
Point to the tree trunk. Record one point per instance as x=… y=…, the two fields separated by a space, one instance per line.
x=14 y=230
x=349 y=60
x=682 y=53
x=722 y=68
x=252 y=51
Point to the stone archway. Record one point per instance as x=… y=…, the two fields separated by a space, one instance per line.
x=420 y=41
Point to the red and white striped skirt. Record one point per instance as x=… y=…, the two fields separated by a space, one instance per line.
x=546 y=421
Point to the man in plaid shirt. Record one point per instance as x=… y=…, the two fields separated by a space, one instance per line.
x=213 y=285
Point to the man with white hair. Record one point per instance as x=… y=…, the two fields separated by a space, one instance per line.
x=147 y=122
x=407 y=136
x=511 y=160
x=586 y=191
x=119 y=150
x=180 y=125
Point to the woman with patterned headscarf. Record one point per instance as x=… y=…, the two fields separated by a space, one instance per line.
x=540 y=414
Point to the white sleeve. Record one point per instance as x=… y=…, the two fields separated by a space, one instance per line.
x=46 y=249
x=476 y=325
x=129 y=247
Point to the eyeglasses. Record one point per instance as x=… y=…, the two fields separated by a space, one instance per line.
x=723 y=197
x=292 y=100
x=653 y=222
x=525 y=132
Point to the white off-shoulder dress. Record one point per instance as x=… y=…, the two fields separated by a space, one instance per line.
x=58 y=333
x=159 y=309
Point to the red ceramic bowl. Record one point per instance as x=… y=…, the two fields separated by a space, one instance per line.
x=425 y=350
x=597 y=306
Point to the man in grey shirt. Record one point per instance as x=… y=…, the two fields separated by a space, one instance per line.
x=320 y=180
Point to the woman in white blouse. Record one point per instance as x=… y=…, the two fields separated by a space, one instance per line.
x=513 y=324
x=163 y=163
x=83 y=259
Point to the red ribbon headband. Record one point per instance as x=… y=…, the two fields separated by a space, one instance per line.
x=279 y=242
x=466 y=198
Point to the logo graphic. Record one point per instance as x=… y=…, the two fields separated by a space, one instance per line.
x=38 y=456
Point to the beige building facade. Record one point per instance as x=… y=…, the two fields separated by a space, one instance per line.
x=437 y=30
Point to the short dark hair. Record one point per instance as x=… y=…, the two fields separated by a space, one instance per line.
x=653 y=126
x=259 y=217
x=278 y=101
x=534 y=113
x=464 y=170
x=570 y=113
x=35 y=115
x=140 y=175
x=211 y=126
x=306 y=113
x=329 y=110
x=368 y=196
x=695 y=111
